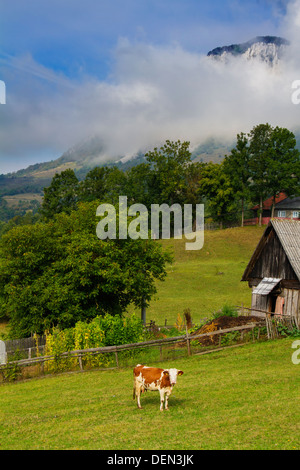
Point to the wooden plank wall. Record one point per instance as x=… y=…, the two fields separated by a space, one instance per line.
x=259 y=302
x=291 y=303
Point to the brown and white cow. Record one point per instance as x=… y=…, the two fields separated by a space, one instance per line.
x=153 y=378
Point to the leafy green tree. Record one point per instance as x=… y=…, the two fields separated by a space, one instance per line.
x=104 y=184
x=260 y=153
x=61 y=195
x=115 y=184
x=137 y=188
x=273 y=163
x=236 y=167
x=28 y=219
x=58 y=272
x=93 y=186
x=284 y=166
x=216 y=186
x=169 y=166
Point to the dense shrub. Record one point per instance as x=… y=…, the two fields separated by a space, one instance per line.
x=226 y=311
x=108 y=330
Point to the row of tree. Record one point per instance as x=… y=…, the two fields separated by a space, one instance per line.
x=263 y=163
x=54 y=271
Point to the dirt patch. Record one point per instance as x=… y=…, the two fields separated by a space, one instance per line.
x=222 y=323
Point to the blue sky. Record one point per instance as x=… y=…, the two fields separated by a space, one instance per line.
x=77 y=37
x=57 y=56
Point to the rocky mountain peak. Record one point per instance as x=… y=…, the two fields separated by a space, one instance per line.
x=268 y=49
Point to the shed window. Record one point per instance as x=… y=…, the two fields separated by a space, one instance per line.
x=281 y=213
x=295 y=214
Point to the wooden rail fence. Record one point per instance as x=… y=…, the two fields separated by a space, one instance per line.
x=80 y=354
x=274 y=320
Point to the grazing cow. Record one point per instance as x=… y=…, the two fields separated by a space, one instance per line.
x=152 y=378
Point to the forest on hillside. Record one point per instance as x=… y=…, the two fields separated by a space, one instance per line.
x=55 y=271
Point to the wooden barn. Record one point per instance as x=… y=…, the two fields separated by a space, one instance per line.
x=273 y=272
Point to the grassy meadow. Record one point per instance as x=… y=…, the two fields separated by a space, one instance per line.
x=241 y=398
x=207 y=279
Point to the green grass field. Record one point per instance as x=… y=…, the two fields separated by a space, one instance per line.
x=241 y=398
x=207 y=279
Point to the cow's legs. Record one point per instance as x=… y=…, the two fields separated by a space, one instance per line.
x=162 y=399
x=137 y=392
x=138 y=396
x=167 y=398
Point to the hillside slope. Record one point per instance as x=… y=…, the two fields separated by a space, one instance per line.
x=205 y=280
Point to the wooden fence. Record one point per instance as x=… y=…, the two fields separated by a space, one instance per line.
x=184 y=342
x=24 y=343
x=274 y=321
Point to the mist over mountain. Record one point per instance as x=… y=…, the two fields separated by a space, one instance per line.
x=165 y=93
x=268 y=49
x=93 y=150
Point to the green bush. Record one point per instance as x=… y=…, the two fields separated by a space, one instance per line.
x=121 y=330
x=226 y=311
x=105 y=330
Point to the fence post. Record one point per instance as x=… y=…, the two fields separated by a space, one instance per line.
x=188 y=341
x=3 y=354
x=80 y=362
x=117 y=360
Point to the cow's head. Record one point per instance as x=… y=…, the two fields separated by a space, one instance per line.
x=172 y=374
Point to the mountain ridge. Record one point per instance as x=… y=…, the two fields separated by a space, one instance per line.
x=90 y=152
x=241 y=48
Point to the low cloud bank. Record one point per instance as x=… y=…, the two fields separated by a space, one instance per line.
x=153 y=94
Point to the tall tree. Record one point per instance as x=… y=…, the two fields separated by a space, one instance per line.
x=284 y=166
x=273 y=163
x=115 y=184
x=260 y=154
x=61 y=195
x=137 y=184
x=93 y=186
x=216 y=186
x=59 y=272
x=236 y=166
x=169 y=166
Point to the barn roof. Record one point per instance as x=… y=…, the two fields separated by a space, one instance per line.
x=267 y=204
x=289 y=203
x=288 y=232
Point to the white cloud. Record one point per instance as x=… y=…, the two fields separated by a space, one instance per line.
x=154 y=93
